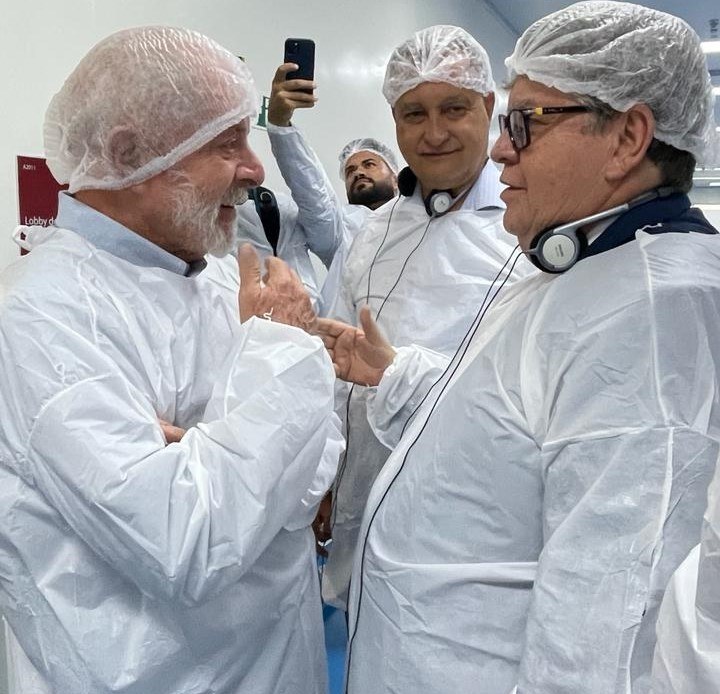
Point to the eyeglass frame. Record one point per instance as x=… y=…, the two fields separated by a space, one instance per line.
x=504 y=120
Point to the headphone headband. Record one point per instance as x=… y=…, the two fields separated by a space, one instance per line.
x=557 y=249
x=437 y=202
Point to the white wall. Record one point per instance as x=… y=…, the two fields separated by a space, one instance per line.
x=41 y=41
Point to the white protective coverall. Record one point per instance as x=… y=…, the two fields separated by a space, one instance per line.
x=425 y=286
x=128 y=565
x=687 y=655
x=525 y=527
x=313 y=219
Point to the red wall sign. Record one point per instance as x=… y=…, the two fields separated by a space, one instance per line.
x=37 y=192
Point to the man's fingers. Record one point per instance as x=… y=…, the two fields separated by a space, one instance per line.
x=281 y=83
x=372 y=331
x=292 y=99
x=302 y=90
x=248 y=266
x=296 y=103
x=250 y=285
x=327 y=327
x=283 y=70
x=328 y=341
x=171 y=433
x=277 y=271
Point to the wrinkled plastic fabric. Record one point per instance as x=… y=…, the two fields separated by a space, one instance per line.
x=406 y=382
x=22 y=677
x=367 y=144
x=133 y=566
x=355 y=218
x=329 y=225
x=687 y=657
x=525 y=527
x=322 y=216
x=438 y=292
x=626 y=54
x=441 y=53
x=156 y=93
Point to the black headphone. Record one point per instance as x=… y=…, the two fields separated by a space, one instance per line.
x=267 y=209
x=557 y=249
x=437 y=203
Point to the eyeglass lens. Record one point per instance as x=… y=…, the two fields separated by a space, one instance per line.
x=516 y=125
x=518 y=129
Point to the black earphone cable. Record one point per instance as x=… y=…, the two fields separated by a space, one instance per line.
x=449 y=371
x=343 y=463
x=470 y=332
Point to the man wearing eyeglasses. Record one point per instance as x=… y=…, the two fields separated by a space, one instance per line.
x=522 y=533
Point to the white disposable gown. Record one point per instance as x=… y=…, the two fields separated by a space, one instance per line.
x=524 y=529
x=424 y=280
x=687 y=655
x=135 y=567
x=313 y=219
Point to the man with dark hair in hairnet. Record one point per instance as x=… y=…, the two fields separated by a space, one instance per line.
x=128 y=564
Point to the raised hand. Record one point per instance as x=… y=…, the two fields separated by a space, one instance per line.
x=279 y=296
x=359 y=355
x=286 y=96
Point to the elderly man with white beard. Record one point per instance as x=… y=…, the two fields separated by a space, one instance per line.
x=128 y=564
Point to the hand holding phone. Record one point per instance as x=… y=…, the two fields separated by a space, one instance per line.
x=289 y=90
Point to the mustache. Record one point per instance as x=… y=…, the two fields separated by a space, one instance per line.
x=237 y=195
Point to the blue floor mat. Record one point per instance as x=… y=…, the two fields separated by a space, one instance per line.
x=335 y=644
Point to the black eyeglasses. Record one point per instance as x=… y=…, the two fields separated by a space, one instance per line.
x=517 y=121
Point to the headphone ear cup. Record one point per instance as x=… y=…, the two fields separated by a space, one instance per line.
x=438 y=203
x=406 y=182
x=556 y=253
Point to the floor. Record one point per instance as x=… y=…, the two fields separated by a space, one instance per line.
x=335 y=642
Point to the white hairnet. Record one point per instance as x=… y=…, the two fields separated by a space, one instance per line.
x=625 y=54
x=367 y=144
x=140 y=101
x=440 y=53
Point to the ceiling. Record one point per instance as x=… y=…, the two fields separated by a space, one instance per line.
x=520 y=14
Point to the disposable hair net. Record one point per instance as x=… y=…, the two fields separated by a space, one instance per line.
x=625 y=54
x=439 y=53
x=367 y=144
x=140 y=101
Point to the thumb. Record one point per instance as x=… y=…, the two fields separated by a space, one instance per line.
x=248 y=266
x=250 y=282
x=372 y=331
x=281 y=72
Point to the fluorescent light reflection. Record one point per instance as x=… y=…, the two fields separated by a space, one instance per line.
x=710 y=46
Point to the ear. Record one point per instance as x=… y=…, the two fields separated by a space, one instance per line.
x=123 y=149
x=633 y=132
x=489 y=101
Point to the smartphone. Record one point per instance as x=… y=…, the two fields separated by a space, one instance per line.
x=302 y=53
